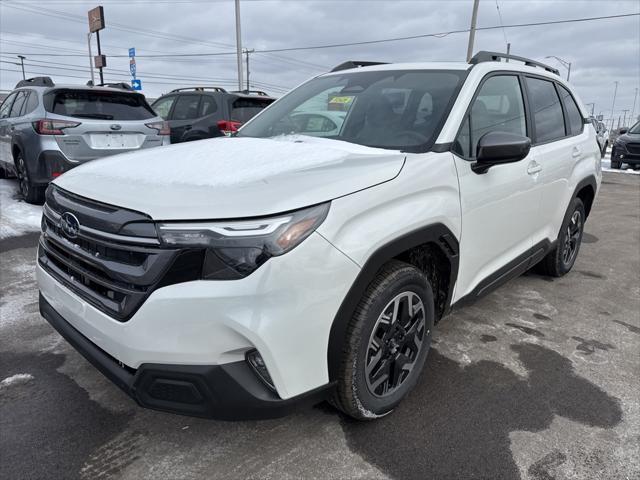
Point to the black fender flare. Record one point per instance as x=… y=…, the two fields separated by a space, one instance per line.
x=437 y=234
x=589 y=181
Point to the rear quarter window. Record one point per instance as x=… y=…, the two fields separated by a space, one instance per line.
x=244 y=109
x=101 y=105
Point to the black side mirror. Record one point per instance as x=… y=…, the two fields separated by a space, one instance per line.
x=496 y=148
x=623 y=131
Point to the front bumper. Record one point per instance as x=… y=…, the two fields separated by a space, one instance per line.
x=225 y=392
x=623 y=156
x=284 y=310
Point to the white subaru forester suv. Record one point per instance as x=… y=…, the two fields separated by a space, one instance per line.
x=309 y=256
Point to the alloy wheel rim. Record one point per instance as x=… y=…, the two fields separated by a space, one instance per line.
x=22 y=177
x=395 y=344
x=572 y=238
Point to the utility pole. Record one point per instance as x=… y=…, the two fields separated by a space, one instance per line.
x=472 y=30
x=93 y=80
x=247 y=52
x=22 y=57
x=239 y=45
x=613 y=104
x=624 y=119
x=99 y=55
x=633 y=110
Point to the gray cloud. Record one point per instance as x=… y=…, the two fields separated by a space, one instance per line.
x=601 y=52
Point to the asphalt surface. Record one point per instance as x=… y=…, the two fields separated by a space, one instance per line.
x=539 y=380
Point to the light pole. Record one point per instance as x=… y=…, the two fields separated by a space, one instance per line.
x=633 y=110
x=593 y=107
x=564 y=63
x=613 y=104
x=239 y=45
x=22 y=57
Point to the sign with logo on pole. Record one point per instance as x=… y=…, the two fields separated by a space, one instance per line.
x=96 y=23
x=136 y=84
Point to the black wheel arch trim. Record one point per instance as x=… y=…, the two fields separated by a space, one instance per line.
x=437 y=234
x=589 y=181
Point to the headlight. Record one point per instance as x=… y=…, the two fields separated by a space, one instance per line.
x=619 y=145
x=235 y=248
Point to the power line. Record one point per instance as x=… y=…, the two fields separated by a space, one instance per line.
x=370 y=42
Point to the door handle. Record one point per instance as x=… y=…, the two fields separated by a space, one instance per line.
x=533 y=168
x=576 y=152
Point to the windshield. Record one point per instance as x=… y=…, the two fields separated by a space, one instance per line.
x=635 y=128
x=99 y=105
x=400 y=110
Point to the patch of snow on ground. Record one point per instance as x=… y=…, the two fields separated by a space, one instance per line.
x=17 y=217
x=17 y=379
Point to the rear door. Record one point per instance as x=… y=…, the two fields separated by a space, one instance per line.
x=185 y=112
x=5 y=129
x=108 y=122
x=499 y=207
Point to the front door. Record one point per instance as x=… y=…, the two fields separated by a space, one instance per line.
x=500 y=207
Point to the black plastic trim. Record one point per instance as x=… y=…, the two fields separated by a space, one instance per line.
x=230 y=391
x=511 y=270
x=437 y=234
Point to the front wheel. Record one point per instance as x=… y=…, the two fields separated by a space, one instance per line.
x=560 y=260
x=388 y=339
x=31 y=193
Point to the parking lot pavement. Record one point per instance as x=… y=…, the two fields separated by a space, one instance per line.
x=539 y=380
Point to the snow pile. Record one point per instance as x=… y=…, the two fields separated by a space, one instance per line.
x=16 y=216
x=220 y=162
x=18 y=379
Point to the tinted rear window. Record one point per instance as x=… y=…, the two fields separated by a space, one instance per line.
x=98 y=105
x=244 y=109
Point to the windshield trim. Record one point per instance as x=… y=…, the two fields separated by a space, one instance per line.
x=420 y=148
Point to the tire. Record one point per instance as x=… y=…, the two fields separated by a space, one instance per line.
x=31 y=193
x=402 y=353
x=615 y=165
x=560 y=260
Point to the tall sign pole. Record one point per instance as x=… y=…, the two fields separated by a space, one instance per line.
x=472 y=30
x=613 y=104
x=633 y=110
x=96 y=23
x=93 y=80
x=239 y=45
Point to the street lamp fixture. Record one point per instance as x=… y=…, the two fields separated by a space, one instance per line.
x=22 y=58
x=564 y=63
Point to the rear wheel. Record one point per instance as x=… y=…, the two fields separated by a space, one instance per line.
x=561 y=259
x=387 y=344
x=614 y=164
x=31 y=193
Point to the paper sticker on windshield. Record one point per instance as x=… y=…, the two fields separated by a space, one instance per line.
x=340 y=103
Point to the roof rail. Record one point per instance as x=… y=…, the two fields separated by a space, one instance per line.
x=36 y=82
x=355 y=64
x=199 y=89
x=484 y=56
x=251 y=92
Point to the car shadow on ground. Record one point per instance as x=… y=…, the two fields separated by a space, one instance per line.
x=456 y=423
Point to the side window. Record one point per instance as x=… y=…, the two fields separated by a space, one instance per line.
x=162 y=107
x=207 y=106
x=186 y=107
x=546 y=109
x=17 y=105
x=573 y=112
x=31 y=103
x=5 y=108
x=498 y=107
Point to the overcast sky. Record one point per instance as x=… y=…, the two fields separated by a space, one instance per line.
x=601 y=52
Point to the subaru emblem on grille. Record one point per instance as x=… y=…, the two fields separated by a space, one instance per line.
x=115 y=126
x=70 y=224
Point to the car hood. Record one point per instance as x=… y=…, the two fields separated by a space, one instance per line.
x=629 y=137
x=232 y=177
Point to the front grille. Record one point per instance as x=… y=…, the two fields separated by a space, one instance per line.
x=112 y=271
x=633 y=148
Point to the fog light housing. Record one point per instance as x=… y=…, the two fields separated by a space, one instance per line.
x=256 y=362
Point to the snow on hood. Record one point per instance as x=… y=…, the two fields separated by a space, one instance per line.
x=232 y=177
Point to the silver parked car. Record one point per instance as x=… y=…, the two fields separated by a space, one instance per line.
x=47 y=129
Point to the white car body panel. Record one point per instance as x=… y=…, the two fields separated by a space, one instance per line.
x=232 y=177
